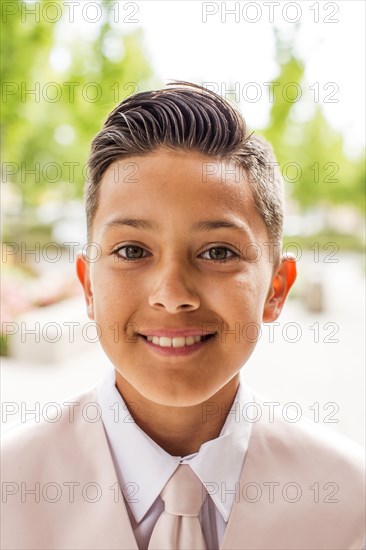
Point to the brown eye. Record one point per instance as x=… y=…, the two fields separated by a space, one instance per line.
x=130 y=252
x=220 y=254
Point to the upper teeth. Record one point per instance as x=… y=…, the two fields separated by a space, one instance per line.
x=176 y=342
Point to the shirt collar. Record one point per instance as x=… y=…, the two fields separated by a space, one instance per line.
x=143 y=467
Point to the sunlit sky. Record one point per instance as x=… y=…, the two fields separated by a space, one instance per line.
x=190 y=40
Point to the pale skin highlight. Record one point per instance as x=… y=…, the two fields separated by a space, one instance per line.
x=174 y=288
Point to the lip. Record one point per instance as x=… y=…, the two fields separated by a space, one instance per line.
x=171 y=333
x=170 y=351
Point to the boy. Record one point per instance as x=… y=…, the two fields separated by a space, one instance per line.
x=185 y=210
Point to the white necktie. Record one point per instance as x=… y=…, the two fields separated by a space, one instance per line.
x=178 y=527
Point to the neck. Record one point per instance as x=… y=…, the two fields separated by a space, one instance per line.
x=180 y=431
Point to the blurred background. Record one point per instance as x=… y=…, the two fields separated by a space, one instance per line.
x=296 y=71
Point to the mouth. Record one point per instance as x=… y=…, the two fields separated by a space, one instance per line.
x=178 y=345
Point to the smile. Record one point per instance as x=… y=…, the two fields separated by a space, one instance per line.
x=177 y=341
x=179 y=345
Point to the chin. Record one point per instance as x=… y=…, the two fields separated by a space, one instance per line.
x=177 y=399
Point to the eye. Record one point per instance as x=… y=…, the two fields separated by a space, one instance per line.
x=219 y=254
x=129 y=252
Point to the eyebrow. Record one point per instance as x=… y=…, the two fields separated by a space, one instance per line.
x=204 y=225
x=137 y=223
x=209 y=225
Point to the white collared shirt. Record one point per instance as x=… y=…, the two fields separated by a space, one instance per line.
x=143 y=467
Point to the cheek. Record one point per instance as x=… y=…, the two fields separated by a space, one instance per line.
x=244 y=296
x=113 y=294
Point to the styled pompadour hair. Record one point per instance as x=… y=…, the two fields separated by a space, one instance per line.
x=187 y=117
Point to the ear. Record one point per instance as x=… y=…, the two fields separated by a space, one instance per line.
x=83 y=273
x=282 y=281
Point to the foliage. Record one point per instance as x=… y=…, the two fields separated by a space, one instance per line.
x=310 y=152
x=49 y=132
x=52 y=138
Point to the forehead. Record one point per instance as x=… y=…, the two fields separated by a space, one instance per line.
x=180 y=185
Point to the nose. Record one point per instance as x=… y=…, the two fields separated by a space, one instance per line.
x=172 y=291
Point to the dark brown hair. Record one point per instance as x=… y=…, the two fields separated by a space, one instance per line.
x=188 y=117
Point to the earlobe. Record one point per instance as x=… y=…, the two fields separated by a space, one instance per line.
x=83 y=273
x=281 y=284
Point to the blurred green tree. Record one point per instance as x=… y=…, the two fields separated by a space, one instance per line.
x=52 y=109
x=312 y=154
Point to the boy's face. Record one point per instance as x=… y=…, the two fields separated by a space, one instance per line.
x=171 y=277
